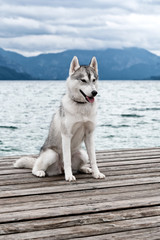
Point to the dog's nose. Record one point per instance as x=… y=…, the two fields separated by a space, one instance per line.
x=94 y=93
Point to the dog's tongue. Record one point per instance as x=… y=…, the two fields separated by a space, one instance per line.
x=90 y=99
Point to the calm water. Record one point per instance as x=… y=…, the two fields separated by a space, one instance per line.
x=128 y=114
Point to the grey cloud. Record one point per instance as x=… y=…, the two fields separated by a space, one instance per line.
x=52 y=25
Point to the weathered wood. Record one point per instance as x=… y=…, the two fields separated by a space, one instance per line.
x=110 y=162
x=109 y=171
x=142 y=234
x=129 y=150
x=22 y=185
x=86 y=219
x=110 y=159
x=12 y=183
x=125 y=205
x=114 y=167
x=74 y=201
x=120 y=162
x=16 y=170
x=109 y=156
x=94 y=184
x=113 y=151
x=78 y=194
x=51 y=211
x=90 y=230
x=133 y=153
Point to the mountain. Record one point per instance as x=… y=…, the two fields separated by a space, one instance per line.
x=121 y=64
x=11 y=68
x=10 y=74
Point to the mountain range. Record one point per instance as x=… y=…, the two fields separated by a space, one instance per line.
x=114 y=64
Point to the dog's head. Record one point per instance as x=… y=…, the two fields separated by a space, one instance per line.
x=83 y=80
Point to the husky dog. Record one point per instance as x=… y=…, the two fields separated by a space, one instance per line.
x=72 y=124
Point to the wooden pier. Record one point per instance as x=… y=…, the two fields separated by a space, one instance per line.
x=125 y=205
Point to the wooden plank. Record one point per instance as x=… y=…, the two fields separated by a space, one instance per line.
x=112 y=167
x=126 y=167
x=100 y=164
x=125 y=158
x=108 y=170
x=112 y=151
x=25 y=182
x=140 y=234
x=78 y=209
x=95 y=184
x=80 y=180
x=17 y=156
x=88 y=192
x=70 y=221
x=89 y=230
x=126 y=202
x=14 y=170
x=129 y=150
x=104 y=159
x=19 y=179
x=111 y=154
x=110 y=157
x=107 y=161
x=74 y=201
x=134 y=153
x=128 y=162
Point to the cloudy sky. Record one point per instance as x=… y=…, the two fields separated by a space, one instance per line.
x=31 y=27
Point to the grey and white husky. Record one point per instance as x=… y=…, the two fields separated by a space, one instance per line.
x=73 y=123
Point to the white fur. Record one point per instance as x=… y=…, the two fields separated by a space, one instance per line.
x=69 y=129
x=25 y=162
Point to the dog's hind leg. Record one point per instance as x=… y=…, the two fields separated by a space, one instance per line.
x=79 y=162
x=46 y=159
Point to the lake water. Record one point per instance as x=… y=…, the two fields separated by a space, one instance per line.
x=128 y=114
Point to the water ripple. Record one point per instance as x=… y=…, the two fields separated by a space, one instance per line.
x=128 y=114
x=9 y=127
x=115 y=126
x=132 y=115
x=145 y=109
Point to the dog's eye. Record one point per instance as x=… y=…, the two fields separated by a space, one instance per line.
x=94 y=80
x=83 y=80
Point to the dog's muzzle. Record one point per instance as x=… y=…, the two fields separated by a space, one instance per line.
x=89 y=99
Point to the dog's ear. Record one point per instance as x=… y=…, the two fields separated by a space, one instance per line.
x=74 y=65
x=94 y=64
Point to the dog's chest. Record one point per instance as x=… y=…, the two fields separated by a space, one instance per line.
x=79 y=131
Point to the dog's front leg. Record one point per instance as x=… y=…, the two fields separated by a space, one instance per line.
x=89 y=142
x=66 y=148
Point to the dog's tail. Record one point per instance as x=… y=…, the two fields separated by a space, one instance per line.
x=25 y=162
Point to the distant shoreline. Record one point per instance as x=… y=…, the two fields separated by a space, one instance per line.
x=113 y=64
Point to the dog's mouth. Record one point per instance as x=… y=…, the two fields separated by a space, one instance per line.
x=89 y=99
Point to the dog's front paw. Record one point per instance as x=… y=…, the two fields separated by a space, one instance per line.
x=40 y=173
x=85 y=170
x=70 y=178
x=98 y=175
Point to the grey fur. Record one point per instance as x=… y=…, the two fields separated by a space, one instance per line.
x=84 y=71
x=61 y=110
x=50 y=142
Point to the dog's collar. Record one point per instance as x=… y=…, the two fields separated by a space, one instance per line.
x=78 y=102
